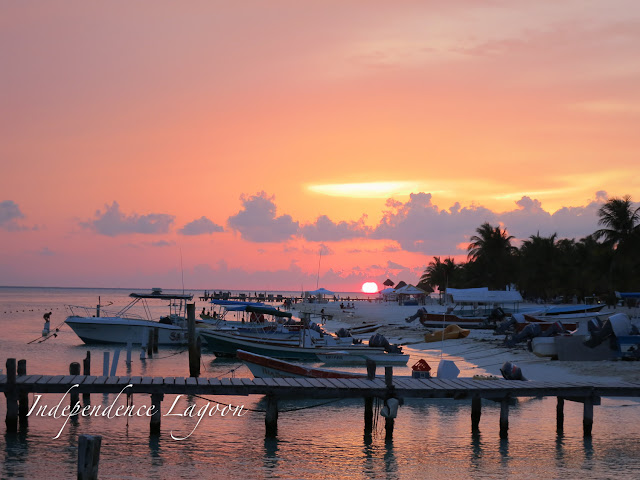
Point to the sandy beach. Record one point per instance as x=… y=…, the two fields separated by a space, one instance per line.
x=481 y=352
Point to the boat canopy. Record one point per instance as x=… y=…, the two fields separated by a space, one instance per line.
x=628 y=294
x=267 y=311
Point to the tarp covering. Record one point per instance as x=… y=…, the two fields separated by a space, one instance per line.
x=321 y=291
x=483 y=295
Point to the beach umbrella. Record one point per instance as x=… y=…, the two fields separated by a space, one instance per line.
x=387 y=291
x=388 y=283
x=321 y=291
x=410 y=290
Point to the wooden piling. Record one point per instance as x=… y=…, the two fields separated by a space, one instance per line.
x=156 y=338
x=74 y=396
x=88 y=456
x=388 y=376
x=194 y=353
x=389 y=422
x=86 y=370
x=271 y=417
x=368 y=416
x=154 y=423
x=11 y=394
x=150 y=343
x=560 y=415
x=371 y=369
x=587 y=421
x=23 y=397
x=388 y=428
x=504 y=417
x=476 y=413
x=105 y=364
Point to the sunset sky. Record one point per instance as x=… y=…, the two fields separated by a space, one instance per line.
x=229 y=143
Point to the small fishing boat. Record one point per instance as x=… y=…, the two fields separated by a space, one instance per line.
x=342 y=357
x=309 y=342
x=262 y=366
x=128 y=325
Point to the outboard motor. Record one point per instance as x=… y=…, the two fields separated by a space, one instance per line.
x=555 y=328
x=343 y=333
x=599 y=333
x=530 y=331
x=379 y=340
x=496 y=315
x=510 y=371
x=418 y=314
x=506 y=325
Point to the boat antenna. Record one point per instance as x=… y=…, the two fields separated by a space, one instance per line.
x=318 y=276
x=181 y=270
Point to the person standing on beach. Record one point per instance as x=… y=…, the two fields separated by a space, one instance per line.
x=47 y=318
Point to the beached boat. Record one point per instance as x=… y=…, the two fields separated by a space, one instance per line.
x=99 y=326
x=343 y=357
x=262 y=366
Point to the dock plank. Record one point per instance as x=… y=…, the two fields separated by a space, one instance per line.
x=55 y=380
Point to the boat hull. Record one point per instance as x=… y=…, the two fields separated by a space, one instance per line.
x=224 y=344
x=116 y=330
x=267 y=367
x=360 y=359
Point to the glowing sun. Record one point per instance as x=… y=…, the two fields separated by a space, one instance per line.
x=370 y=287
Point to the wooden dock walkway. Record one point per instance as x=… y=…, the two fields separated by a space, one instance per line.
x=589 y=393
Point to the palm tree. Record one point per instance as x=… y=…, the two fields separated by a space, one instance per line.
x=537 y=264
x=622 y=234
x=622 y=222
x=438 y=274
x=491 y=251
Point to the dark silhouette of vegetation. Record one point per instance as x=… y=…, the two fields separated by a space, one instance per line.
x=547 y=267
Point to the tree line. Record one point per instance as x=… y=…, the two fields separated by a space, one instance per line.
x=546 y=268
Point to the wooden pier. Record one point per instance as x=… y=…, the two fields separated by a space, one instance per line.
x=16 y=388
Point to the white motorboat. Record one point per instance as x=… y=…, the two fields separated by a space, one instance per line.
x=130 y=325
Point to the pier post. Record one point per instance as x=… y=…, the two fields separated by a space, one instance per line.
x=105 y=364
x=74 y=396
x=560 y=415
x=150 y=343
x=88 y=456
x=156 y=338
x=389 y=420
x=371 y=369
x=194 y=352
x=23 y=397
x=86 y=370
x=504 y=417
x=587 y=421
x=271 y=417
x=12 y=397
x=368 y=402
x=476 y=412
x=154 y=423
x=368 y=417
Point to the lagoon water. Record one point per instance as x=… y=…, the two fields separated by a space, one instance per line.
x=316 y=439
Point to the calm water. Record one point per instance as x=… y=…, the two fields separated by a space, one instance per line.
x=432 y=439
